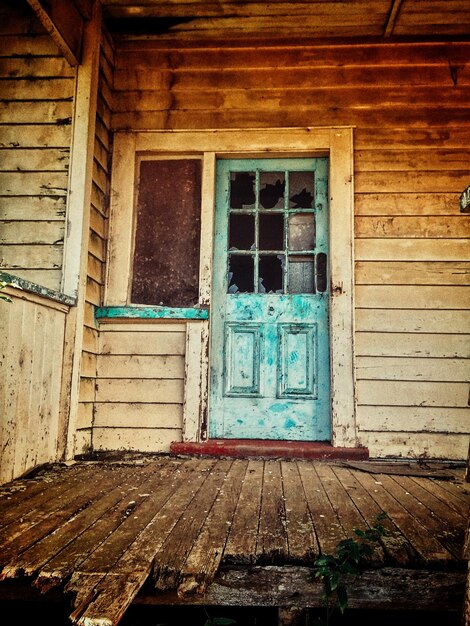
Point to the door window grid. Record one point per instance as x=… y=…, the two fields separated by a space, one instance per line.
x=279 y=216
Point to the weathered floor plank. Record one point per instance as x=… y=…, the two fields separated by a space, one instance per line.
x=113 y=550
x=170 y=559
x=55 y=512
x=115 y=591
x=458 y=489
x=111 y=527
x=60 y=553
x=208 y=548
x=441 y=524
x=271 y=543
x=429 y=549
x=241 y=543
x=346 y=511
x=327 y=525
x=31 y=499
x=301 y=538
x=438 y=488
x=24 y=493
x=398 y=549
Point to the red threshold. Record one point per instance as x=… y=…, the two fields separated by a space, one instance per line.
x=261 y=448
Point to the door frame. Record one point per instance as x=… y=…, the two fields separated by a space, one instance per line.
x=336 y=143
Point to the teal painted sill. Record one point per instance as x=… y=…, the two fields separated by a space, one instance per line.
x=45 y=292
x=151 y=313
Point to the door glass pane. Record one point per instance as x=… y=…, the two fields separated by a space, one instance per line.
x=271 y=231
x=322 y=272
x=301 y=274
x=302 y=231
x=301 y=190
x=270 y=273
x=242 y=190
x=271 y=190
x=240 y=274
x=241 y=231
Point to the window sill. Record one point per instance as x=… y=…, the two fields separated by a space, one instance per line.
x=151 y=312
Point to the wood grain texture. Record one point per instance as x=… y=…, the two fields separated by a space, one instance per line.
x=156 y=342
x=409 y=444
x=412 y=273
x=36 y=113
x=33 y=338
x=174 y=520
x=135 y=439
x=139 y=390
x=413 y=321
x=397 y=368
x=413 y=345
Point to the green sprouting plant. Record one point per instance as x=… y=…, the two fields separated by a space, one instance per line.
x=348 y=560
x=219 y=621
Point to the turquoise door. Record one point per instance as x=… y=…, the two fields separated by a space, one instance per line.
x=270 y=375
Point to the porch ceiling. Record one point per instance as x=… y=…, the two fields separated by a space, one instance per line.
x=317 y=19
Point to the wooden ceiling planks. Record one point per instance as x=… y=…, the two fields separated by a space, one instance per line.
x=317 y=19
x=347 y=11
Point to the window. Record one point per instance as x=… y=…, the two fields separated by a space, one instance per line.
x=167 y=233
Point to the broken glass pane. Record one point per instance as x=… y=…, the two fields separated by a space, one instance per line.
x=301 y=190
x=270 y=274
x=271 y=231
x=322 y=272
x=242 y=190
x=301 y=274
x=271 y=190
x=301 y=231
x=240 y=274
x=241 y=231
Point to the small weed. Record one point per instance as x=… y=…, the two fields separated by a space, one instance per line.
x=333 y=569
x=220 y=621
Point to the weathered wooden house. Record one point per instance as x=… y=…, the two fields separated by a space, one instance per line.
x=234 y=227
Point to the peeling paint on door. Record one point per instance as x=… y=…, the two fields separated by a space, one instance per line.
x=270 y=376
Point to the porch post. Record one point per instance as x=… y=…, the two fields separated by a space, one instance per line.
x=78 y=220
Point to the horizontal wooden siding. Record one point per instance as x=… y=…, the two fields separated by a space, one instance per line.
x=410 y=105
x=37 y=89
x=31 y=351
x=139 y=390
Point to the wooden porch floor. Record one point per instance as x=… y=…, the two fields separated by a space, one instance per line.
x=103 y=530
